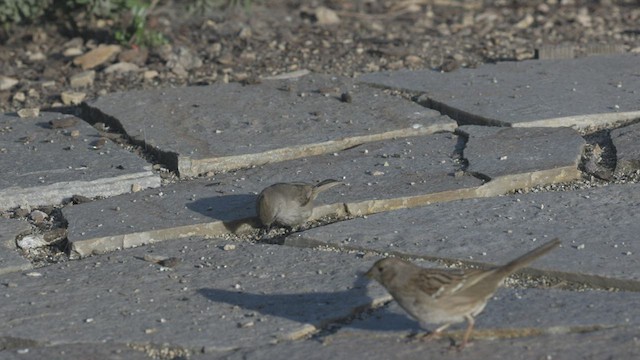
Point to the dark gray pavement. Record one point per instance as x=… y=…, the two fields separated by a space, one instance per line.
x=45 y=165
x=182 y=270
x=586 y=92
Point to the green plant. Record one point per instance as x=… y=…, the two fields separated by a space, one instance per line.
x=204 y=6
x=137 y=32
x=134 y=29
x=94 y=8
x=17 y=11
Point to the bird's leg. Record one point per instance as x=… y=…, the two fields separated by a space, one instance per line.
x=264 y=231
x=465 y=338
x=435 y=334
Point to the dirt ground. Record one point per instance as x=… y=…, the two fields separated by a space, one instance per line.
x=278 y=36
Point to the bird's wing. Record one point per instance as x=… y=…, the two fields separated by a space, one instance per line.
x=439 y=282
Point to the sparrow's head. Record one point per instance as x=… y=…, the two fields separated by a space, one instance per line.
x=385 y=269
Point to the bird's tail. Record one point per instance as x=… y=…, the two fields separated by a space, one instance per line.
x=526 y=259
x=325 y=185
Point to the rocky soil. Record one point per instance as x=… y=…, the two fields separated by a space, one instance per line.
x=46 y=65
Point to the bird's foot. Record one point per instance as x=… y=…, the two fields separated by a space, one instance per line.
x=459 y=347
x=419 y=336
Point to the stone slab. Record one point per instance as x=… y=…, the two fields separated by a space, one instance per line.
x=598 y=228
x=44 y=166
x=519 y=313
x=103 y=351
x=493 y=151
x=214 y=299
x=619 y=343
x=224 y=127
x=419 y=170
x=176 y=211
x=625 y=140
x=379 y=176
x=520 y=155
x=10 y=259
x=584 y=92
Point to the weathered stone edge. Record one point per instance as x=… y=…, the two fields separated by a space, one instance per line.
x=194 y=167
x=58 y=192
x=498 y=186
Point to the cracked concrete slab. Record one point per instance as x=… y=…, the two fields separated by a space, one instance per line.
x=42 y=165
x=625 y=140
x=380 y=176
x=617 y=343
x=10 y=259
x=517 y=158
x=217 y=298
x=597 y=226
x=582 y=93
x=224 y=127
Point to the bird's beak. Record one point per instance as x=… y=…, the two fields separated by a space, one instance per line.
x=369 y=274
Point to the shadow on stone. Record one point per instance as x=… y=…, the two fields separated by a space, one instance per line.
x=237 y=212
x=316 y=308
x=225 y=207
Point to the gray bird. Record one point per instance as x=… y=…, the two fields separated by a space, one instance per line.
x=289 y=204
x=446 y=296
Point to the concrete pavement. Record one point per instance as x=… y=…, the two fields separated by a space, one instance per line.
x=181 y=270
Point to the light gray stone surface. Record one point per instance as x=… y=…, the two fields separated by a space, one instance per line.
x=493 y=152
x=214 y=299
x=416 y=167
x=44 y=166
x=617 y=343
x=228 y=126
x=590 y=91
x=598 y=228
x=626 y=140
x=10 y=259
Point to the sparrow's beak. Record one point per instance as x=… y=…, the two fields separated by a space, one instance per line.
x=369 y=273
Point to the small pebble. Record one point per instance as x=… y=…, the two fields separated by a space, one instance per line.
x=170 y=262
x=63 y=123
x=38 y=216
x=28 y=113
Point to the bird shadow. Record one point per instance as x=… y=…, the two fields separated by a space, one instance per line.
x=317 y=308
x=237 y=212
x=225 y=207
